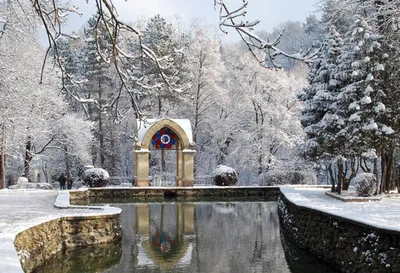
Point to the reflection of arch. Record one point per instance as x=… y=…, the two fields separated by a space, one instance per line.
x=184 y=225
x=171 y=261
x=184 y=153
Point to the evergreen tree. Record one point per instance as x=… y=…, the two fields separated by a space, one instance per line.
x=318 y=117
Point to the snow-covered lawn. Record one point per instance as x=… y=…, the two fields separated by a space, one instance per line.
x=22 y=209
x=383 y=214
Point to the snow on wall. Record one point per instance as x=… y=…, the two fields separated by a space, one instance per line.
x=144 y=126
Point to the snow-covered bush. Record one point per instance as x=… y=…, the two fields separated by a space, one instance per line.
x=44 y=186
x=273 y=178
x=224 y=176
x=365 y=184
x=22 y=181
x=96 y=177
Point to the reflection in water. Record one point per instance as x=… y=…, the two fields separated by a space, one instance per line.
x=300 y=261
x=206 y=237
x=91 y=259
x=164 y=232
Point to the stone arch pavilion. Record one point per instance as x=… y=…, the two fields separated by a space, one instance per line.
x=169 y=134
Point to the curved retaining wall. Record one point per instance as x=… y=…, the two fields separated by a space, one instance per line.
x=347 y=245
x=40 y=243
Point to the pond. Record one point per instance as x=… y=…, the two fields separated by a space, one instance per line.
x=207 y=237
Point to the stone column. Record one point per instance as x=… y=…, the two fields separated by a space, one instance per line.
x=188 y=167
x=143 y=219
x=188 y=219
x=142 y=168
x=179 y=165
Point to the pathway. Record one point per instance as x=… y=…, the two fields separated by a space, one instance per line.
x=22 y=209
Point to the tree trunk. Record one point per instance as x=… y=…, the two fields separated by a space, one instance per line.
x=332 y=178
x=260 y=166
x=113 y=154
x=386 y=171
x=28 y=157
x=383 y=174
x=67 y=168
x=3 y=156
x=101 y=140
x=159 y=104
x=45 y=172
x=375 y=172
x=340 y=177
x=390 y=173
x=354 y=167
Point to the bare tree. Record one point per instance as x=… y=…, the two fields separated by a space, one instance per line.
x=52 y=14
x=231 y=19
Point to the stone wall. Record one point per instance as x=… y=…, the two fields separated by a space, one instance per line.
x=42 y=242
x=187 y=192
x=347 y=245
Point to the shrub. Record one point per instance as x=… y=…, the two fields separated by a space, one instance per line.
x=224 y=176
x=95 y=177
x=365 y=184
x=273 y=178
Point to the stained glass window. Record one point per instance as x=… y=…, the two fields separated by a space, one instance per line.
x=164 y=139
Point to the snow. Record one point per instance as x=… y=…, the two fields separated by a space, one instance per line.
x=144 y=126
x=366 y=100
x=354 y=106
x=222 y=169
x=370 y=127
x=380 y=107
x=369 y=78
x=355 y=117
x=384 y=214
x=387 y=130
x=23 y=209
x=379 y=67
x=371 y=154
x=369 y=89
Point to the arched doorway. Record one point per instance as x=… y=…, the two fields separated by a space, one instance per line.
x=165 y=134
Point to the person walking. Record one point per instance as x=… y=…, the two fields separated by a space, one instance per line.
x=62 y=179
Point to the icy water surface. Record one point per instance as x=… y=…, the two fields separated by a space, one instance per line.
x=207 y=237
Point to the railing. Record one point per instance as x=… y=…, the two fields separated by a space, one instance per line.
x=161 y=181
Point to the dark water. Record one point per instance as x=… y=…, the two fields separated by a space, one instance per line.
x=206 y=237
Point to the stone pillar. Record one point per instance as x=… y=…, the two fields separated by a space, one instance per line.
x=143 y=219
x=142 y=168
x=188 y=167
x=179 y=165
x=188 y=219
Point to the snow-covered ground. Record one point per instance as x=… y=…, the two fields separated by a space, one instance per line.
x=384 y=214
x=22 y=209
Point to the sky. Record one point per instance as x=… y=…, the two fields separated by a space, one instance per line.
x=270 y=12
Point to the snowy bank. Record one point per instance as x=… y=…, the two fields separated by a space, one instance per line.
x=28 y=214
x=353 y=237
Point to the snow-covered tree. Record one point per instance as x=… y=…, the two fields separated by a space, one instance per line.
x=265 y=128
x=319 y=121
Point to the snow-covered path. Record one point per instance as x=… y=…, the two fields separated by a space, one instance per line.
x=383 y=214
x=20 y=210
